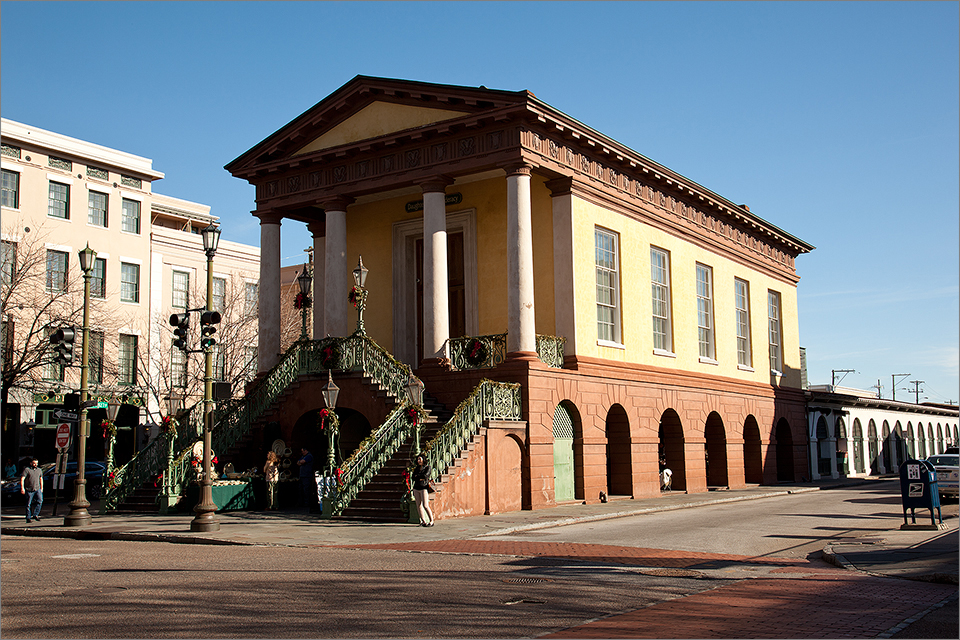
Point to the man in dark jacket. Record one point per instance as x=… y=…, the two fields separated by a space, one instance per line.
x=31 y=485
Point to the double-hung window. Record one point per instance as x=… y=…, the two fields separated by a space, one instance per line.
x=251 y=298
x=129 y=282
x=660 y=299
x=178 y=368
x=776 y=339
x=8 y=259
x=608 y=286
x=58 y=201
x=705 y=312
x=741 y=296
x=130 y=219
x=98 y=278
x=10 y=192
x=128 y=360
x=219 y=294
x=97 y=209
x=181 y=289
x=57 y=262
x=95 y=358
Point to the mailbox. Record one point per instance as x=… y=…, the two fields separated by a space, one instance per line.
x=919 y=490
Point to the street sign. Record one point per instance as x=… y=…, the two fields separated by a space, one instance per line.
x=64 y=415
x=100 y=405
x=63 y=435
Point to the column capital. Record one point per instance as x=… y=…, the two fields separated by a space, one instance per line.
x=318 y=228
x=560 y=186
x=517 y=169
x=269 y=217
x=436 y=183
x=336 y=203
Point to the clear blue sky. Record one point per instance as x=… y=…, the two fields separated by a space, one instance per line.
x=837 y=122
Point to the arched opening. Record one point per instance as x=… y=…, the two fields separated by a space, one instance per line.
x=619 y=472
x=564 y=467
x=873 y=446
x=931 y=441
x=784 y=437
x=887 y=444
x=752 y=453
x=911 y=443
x=509 y=456
x=354 y=428
x=859 y=464
x=823 y=447
x=940 y=447
x=842 y=448
x=900 y=446
x=671 y=448
x=715 y=453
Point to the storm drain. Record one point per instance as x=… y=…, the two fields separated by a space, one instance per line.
x=526 y=580
x=671 y=573
x=93 y=591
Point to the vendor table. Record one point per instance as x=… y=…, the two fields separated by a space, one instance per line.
x=230 y=495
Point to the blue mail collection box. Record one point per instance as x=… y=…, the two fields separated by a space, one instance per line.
x=918 y=488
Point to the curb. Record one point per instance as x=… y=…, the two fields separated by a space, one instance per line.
x=839 y=560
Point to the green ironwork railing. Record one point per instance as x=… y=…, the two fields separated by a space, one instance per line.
x=488 y=352
x=489 y=401
x=370 y=456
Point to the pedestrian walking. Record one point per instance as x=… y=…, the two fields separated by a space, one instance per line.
x=308 y=483
x=272 y=470
x=31 y=485
x=422 y=490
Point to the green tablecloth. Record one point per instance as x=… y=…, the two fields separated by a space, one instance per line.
x=227 y=497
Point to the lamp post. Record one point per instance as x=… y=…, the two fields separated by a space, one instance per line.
x=206 y=510
x=414 y=389
x=79 y=516
x=304 y=280
x=360 y=279
x=113 y=408
x=330 y=391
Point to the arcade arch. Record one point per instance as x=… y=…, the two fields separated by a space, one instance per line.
x=619 y=455
x=671 y=448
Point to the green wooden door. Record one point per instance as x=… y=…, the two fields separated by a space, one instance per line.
x=563 y=468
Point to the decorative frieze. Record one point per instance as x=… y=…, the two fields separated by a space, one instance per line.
x=129 y=181
x=10 y=151
x=60 y=163
x=98 y=173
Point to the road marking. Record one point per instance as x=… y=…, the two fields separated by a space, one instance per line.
x=77 y=556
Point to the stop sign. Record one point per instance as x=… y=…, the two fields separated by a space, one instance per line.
x=63 y=435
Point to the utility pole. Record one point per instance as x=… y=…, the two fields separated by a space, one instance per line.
x=833 y=375
x=879 y=388
x=916 y=388
x=893 y=387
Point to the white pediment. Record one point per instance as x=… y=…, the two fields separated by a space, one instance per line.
x=378 y=119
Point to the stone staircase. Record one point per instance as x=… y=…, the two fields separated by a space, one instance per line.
x=142 y=500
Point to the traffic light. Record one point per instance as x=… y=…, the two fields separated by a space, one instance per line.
x=207 y=320
x=62 y=340
x=182 y=323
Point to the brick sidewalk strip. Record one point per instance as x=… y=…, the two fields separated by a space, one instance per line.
x=810 y=600
x=813 y=607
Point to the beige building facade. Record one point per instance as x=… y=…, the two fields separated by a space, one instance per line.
x=61 y=194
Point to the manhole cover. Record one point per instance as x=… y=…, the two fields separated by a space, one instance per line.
x=672 y=573
x=93 y=591
x=526 y=580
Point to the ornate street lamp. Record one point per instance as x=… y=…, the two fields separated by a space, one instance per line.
x=304 y=280
x=206 y=510
x=414 y=389
x=113 y=408
x=359 y=294
x=79 y=516
x=330 y=392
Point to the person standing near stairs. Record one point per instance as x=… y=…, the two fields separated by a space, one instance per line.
x=422 y=489
x=308 y=482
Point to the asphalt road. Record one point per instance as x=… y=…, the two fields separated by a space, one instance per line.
x=57 y=588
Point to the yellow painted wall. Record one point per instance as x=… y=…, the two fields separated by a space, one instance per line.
x=377 y=119
x=635 y=240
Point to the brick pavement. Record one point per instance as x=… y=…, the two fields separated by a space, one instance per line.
x=798 y=598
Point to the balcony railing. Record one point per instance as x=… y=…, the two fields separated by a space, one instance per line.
x=489 y=351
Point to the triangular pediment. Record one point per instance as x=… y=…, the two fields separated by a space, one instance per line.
x=378 y=119
x=367 y=108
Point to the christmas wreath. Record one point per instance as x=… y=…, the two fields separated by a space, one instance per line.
x=168 y=426
x=302 y=301
x=328 y=417
x=476 y=352
x=330 y=355
x=416 y=415
x=356 y=296
x=109 y=429
x=339 y=474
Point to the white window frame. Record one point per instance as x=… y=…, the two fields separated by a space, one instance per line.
x=219 y=294
x=741 y=304
x=125 y=283
x=178 y=367
x=180 y=289
x=251 y=304
x=55 y=203
x=661 y=318
x=99 y=292
x=60 y=285
x=130 y=219
x=775 y=331
x=93 y=212
x=127 y=361
x=10 y=186
x=706 y=337
x=607 y=266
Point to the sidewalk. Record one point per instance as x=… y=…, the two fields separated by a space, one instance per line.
x=918 y=555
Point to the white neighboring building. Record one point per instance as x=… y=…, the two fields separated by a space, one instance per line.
x=852 y=433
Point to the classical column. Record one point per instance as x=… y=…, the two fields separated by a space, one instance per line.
x=268 y=341
x=521 y=321
x=337 y=278
x=564 y=289
x=317 y=230
x=436 y=311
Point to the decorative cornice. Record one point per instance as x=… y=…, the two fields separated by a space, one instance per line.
x=436 y=184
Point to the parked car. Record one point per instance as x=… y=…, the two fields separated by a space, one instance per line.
x=94 y=475
x=948 y=473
